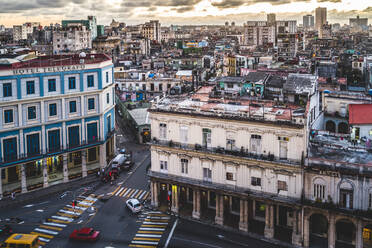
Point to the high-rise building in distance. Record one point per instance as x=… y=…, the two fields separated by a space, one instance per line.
x=271 y=18
x=320 y=18
x=308 y=21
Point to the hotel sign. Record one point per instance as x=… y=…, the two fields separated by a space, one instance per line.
x=49 y=69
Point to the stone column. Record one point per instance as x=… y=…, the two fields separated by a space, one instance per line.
x=102 y=156
x=154 y=194
x=84 y=163
x=219 y=210
x=359 y=235
x=65 y=167
x=23 y=179
x=296 y=232
x=1 y=183
x=196 y=204
x=269 y=221
x=175 y=206
x=45 y=173
x=306 y=232
x=243 y=223
x=331 y=232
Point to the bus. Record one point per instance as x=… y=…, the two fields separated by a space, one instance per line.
x=19 y=240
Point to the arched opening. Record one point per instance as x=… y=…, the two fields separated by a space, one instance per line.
x=345 y=234
x=331 y=126
x=343 y=127
x=318 y=231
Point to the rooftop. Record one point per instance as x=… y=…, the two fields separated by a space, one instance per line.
x=358 y=114
x=54 y=60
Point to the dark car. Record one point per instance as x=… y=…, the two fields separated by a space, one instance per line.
x=85 y=234
x=5 y=229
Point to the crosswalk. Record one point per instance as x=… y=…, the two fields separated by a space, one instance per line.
x=151 y=230
x=124 y=192
x=55 y=224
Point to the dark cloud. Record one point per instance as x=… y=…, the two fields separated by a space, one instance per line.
x=369 y=9
x=16 y=6
x=183 y=9
x=226 y=4
x=160 y=3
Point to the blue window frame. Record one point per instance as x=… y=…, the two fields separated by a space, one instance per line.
x=54 y=142
x=73 y=136
x=108 y=98
x=72 y=106
x=30 y=87
x=7 y=89
x=90 y=80
x=107 y=77
x=53 y=109
x=92 y=132
x=8 y=116
x=33 y=144
x=109 y=123
x=72 y=83
x=10 y=149
x=91 y=103
x=31 y=113
x=52 y=85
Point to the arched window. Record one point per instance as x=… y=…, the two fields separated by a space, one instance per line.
x=346 y=195
x=319 y=189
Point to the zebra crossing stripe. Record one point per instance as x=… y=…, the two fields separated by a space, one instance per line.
x=43 y=235
x=70 y=212
x=155 y=223
x=54 y=224
x=58 y=221
x=142 y=246
x=145 y=242
x=122 y=193
x=114 y=192
x=127 y=193
x=77 y=207
x=138 y=194
x=44 y=239
x=147 y=195
x=157 y=217
x=134 y=193
x=142 y=194
x=131 y=193
x=117 y=193
x=46 y=231
x=151 y=229
x=62 y=218
x=89 y=198
x=147 y=239
x=51 y=227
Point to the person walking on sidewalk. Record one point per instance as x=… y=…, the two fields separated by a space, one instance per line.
x=13 y=195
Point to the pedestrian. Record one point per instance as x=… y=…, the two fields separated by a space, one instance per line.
x=12 y=195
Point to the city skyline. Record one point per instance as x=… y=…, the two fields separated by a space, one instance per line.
x=178 y=11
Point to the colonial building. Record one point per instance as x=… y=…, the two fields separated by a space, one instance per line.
x=57 y=120
x=71 y=39
x=234 y=161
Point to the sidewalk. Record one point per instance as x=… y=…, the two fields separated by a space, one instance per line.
x=22 y=199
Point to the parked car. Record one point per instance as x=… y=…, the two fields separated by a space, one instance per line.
x=85 y=234
x=127 y=164
x=134 y=205
x=5 y=229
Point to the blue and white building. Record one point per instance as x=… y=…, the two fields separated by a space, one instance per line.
x=57 y=116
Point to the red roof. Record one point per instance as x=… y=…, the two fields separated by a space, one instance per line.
x=360 y=114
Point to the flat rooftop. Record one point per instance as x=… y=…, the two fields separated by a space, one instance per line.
x=200 y=103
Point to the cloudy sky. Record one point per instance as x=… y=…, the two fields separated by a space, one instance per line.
x=176 y=11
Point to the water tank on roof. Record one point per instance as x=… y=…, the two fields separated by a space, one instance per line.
x=370 y=92
x=82 y=55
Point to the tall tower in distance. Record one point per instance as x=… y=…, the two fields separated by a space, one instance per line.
x=308 y=22
x=320 y=19
x=271 y=19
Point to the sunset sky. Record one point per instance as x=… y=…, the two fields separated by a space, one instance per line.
x=176 y=11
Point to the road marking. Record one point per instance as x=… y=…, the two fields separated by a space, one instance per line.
x=155 y=223
x=65 y=215
x=159 y=220
x=70 y=212
x=77 y=207
x=40 y=210
x=130 y=193
x=73 y=210
x=171 y=233
x=89 y=198
x=117 y=193
x=147 y=194
x=129 y=190
x=29 y=206
x=158 y=217
x=44 y=239
x=43 y=235
x=122 y=193
x=153 y=232
x=148 y=235
x=54 y=224
x=59 y=221
x=62 y=218
x=46 y=231
x=142 y=194
x=154 y=212
x=51 y=227
x=114 y=192
x=142 y=246
x=148 y=239
x=152 y=226
x=149 y=229
x=145 y=242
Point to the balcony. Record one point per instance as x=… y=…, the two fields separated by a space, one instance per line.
x=242 y=153
x=222 y=187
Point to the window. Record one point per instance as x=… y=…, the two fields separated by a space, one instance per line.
x=30 y=87
x=256 y=144
x=108 y=98
x=183 y=134
x=52 y=85
x=319 y=191
x=72 y=106
x=90 y=80
x=162 y=131
x=7 y=89
x=346 y=198
x=230 y=176
x=8 y=116
x=282 y=185
x=230 y=144
x=92 y=154
x=370 y=200
x=164 y=166
x=91 y=104
x=283 y=149
x=207 y=174
x=184 y=166
x=107 y=77
x=207 y=137
x=31 y=113
x=71 y=83
x=256 y=181
x=52 y=109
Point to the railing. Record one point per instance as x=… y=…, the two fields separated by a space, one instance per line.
x=223 y=187
x=25 y=157
x=220 y=150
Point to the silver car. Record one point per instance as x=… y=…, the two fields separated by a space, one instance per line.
x=134 y=205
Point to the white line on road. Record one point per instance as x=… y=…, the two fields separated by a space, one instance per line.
x=62 y=218
x=44 y=239
x=171 y=234
x=54 y=224
x=154 y=212
x=157 y=217
x=148 y=235
x=155 y=223
x=46 y=231
x=91 y=198
x=142 y=194
x=127 y=192
x=145 y=242
x=69 y=212
x=117 y=193
x=77 y=207
x=151 y=229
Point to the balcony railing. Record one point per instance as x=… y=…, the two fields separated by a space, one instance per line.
x=223 y=187
x=53 y=151
x=243 y=153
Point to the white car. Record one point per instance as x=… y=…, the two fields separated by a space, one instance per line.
x=134 y=205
